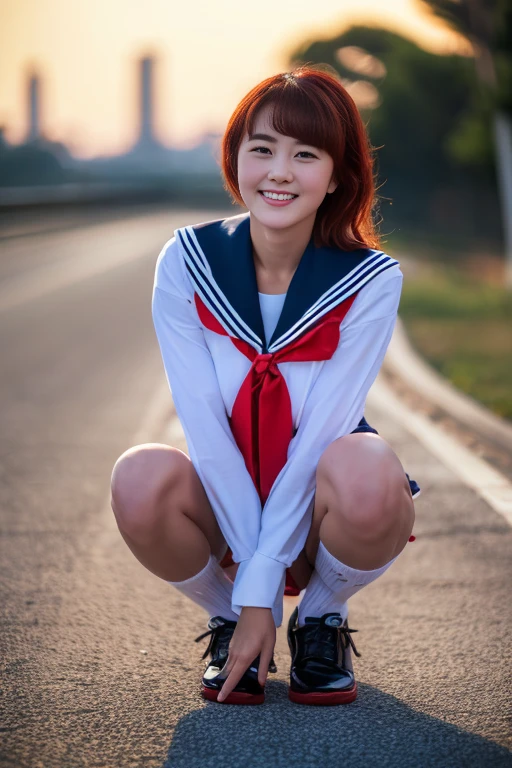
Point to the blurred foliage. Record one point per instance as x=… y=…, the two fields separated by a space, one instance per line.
x=431 y=128
x=448 y=293
x=487 y=24
x=464 y=329
x=502 y=54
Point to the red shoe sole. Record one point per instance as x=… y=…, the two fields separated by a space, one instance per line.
x=234 y=697
x=336 y=697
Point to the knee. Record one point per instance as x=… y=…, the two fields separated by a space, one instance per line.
x=141 y=477
x=365 y=485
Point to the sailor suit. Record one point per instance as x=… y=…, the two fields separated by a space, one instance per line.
x=258 y=412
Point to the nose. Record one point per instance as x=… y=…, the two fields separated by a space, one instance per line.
x=280 y=170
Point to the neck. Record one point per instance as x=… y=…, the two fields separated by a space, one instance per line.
x=277 y=252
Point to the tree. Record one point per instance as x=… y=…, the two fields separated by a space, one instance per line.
x=487 y=24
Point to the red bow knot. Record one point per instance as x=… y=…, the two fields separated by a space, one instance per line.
x=265 y=364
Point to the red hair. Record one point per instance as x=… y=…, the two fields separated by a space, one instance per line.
x=313 y=106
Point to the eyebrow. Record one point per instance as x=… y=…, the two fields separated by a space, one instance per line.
x=266 y=137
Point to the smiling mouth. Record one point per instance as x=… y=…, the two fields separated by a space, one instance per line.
x=277 y=196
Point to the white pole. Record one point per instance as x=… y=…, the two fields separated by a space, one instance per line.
x=503 y=143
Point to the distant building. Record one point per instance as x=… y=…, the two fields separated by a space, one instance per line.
x=33 y=133
x=146 y=136
x=39 y=161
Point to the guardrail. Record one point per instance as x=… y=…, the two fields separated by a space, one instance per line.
x=74 y=192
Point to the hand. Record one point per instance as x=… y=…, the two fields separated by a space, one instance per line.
x=255 y=634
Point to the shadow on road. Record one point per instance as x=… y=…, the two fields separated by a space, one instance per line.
x=377 y=730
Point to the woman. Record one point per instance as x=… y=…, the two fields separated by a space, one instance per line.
x=272 y=327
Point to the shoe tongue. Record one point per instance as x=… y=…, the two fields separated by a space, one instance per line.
x=320 y=619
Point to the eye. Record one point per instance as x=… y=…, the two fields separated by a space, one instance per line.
x=256 y=149
x=305 y=152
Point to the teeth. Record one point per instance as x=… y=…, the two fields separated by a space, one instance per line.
x=274 y=196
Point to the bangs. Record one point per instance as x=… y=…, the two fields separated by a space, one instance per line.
x=295 y=112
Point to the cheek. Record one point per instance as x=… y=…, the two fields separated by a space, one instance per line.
x=318 y=182
x=245 y=174
x=250 y=179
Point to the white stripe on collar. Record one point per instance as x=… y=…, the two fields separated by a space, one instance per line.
x=210 y=292
x=351 y=283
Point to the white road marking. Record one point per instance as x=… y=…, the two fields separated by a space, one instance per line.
x=476 y=473
x=403 y=360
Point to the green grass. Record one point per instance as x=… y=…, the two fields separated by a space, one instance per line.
x=464 y=329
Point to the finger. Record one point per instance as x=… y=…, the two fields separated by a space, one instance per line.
x=265 y=657
x=232 y=680
x=234 y=676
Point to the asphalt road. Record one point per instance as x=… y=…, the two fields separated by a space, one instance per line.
x=99 y=667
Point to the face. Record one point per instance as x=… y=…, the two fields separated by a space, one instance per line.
x=270 y=164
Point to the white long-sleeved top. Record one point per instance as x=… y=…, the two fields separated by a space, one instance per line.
x=205 y=371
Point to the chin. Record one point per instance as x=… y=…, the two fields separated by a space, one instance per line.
x=276 y=222
x=278 y=218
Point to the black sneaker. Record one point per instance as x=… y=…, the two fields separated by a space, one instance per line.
x=248 y=690
x=321 y=670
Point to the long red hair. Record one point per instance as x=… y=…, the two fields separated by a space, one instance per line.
x=312 y=105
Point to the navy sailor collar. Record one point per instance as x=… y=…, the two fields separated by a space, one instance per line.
x=218 y=257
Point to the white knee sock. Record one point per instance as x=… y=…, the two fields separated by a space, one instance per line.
x=331 y=584
x=211 y=589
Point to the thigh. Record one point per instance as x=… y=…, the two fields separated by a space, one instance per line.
x=154 y=480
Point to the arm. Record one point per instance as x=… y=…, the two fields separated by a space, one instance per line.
x=198 y=400
x=333 y=409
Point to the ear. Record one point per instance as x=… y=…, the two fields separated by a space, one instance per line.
x=333 y=185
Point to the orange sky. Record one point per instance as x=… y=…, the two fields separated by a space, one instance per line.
x=210 y=55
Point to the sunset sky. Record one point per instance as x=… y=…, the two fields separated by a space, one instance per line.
x=210 y=53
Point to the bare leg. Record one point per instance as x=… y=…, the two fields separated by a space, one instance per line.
x=364 y=511
x=163 y=513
